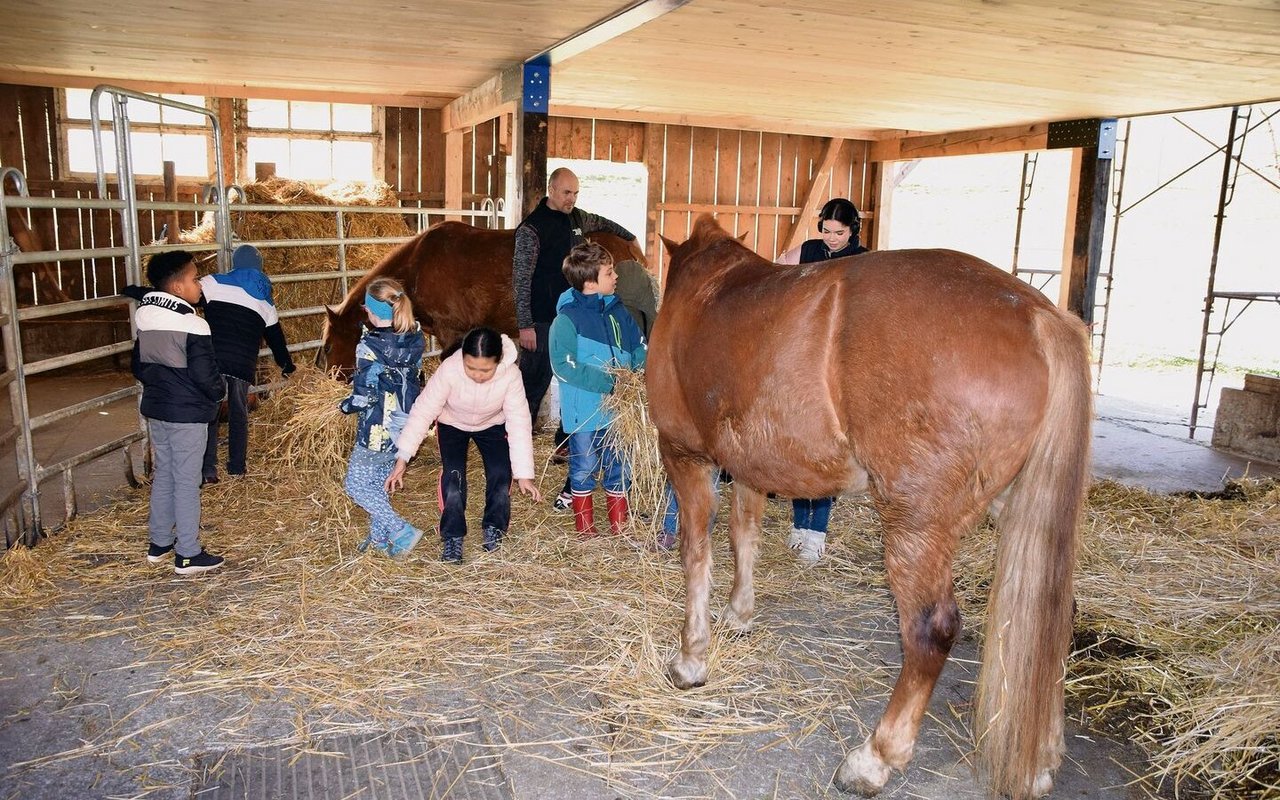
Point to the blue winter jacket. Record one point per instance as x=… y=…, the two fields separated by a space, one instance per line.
x=385 y=385
x=590 y=334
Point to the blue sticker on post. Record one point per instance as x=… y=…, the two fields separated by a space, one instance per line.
x=536 y=92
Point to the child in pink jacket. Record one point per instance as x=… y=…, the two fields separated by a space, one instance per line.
x=476 y=394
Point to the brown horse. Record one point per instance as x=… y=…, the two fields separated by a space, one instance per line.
x=458 y=277
x=935 y=382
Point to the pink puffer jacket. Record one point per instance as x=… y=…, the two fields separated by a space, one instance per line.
x=454 y=399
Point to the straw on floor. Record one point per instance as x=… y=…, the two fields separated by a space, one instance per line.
x=1178 y=616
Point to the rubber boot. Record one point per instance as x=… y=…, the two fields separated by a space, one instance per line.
x=584 y=516
x=619 y=512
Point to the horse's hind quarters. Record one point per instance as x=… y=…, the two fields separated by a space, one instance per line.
x=862 y=772
x=687 y=673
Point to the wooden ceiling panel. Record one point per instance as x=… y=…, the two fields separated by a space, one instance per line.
x=857 y=69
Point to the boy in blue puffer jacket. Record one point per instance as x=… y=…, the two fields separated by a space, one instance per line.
x=592 y=333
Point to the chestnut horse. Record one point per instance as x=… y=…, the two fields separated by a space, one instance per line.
x=935 y=382
x=458 y=277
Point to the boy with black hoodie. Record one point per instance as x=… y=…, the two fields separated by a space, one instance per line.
x=181 y=388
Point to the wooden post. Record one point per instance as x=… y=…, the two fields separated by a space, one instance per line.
x=171 y=196
x=1085 y=223
x=882 y=182
x=453 y=171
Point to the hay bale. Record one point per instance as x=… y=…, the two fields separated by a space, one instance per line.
x=258 y=226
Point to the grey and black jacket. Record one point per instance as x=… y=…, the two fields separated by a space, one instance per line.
x=173 y=358
x=543 y=240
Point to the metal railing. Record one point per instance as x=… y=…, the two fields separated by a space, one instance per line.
x=21 y=505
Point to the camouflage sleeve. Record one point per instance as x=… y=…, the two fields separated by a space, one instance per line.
x=595 y=222
x=525 y=259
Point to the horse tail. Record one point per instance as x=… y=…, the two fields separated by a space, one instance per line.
x=1018 y=702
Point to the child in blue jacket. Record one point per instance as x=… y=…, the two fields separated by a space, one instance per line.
x=592 y=333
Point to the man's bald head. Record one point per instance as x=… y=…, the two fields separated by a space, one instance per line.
x=562 y=190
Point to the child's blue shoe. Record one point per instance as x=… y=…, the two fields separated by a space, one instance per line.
x=370 y=543
x=400 y=544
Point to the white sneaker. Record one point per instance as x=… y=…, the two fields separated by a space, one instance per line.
x=811 y=547
x=796 y=538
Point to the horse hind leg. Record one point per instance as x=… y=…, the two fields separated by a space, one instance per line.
x=692 y=484
x=918 y=554
x=744 y=538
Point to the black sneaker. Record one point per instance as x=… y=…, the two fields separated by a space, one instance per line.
x=208 y=480
x=492 y=538
x=563 y=502
x=452 y=553
x=157 y=554
x=194 y=565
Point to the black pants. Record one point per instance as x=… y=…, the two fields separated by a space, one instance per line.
x=237 y=431
x=496 y=456
x=535 y=370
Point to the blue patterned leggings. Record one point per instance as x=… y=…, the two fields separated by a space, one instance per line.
x=366 y=484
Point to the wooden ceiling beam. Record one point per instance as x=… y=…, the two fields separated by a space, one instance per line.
x=238 y=91
x=734 y=122
x=962 y=143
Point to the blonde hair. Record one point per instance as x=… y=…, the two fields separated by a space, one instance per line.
x=390 y=290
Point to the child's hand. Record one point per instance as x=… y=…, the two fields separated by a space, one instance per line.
x=396 y=479
x=528 y=487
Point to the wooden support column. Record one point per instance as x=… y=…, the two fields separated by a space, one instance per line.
x=171 y=196
x=453 y=171
x=1093 y=145
x=883 y=179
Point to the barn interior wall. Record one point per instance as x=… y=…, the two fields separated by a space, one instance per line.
x=756 y=183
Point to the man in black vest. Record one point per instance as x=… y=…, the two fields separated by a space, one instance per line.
x=543 y=240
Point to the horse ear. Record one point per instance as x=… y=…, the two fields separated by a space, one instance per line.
x=742 y=237
x=334 y=312
x=670 y=245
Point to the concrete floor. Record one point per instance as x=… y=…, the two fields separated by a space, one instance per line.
x=51 y=694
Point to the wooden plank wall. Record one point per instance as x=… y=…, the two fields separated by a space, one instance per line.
x=29 y=141
x=415 y=155
x=755 y=183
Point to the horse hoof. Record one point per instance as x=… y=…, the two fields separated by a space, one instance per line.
x=862 y=772
x=686 y=674
x=735 y=624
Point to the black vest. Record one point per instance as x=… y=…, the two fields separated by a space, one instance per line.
x=557 y=234
x=816 y=250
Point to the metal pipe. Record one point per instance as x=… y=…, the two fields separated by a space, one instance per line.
x=88 y=405
x=11 y=335
x=1213 y=265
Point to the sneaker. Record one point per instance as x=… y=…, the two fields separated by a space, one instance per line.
x=400 y=544
x=157 y=554
x=811 y=546
x=208 y=480
x=193 y=565
x=370 y=544
x=492 y=538
x=561 y=455
x=452 y=553
x=563 y=502
x=666 y=542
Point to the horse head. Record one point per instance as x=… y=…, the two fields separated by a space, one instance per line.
x=338 y=340
x=706 y=234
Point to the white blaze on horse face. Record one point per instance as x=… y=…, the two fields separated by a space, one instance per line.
x=480 y=369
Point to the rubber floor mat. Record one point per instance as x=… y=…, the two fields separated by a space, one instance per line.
x=447 y=761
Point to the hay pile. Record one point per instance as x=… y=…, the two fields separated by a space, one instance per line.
x=636 y=439
x=257 y=226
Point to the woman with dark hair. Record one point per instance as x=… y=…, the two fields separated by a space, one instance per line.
x=476 y=395
x=838 y=226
